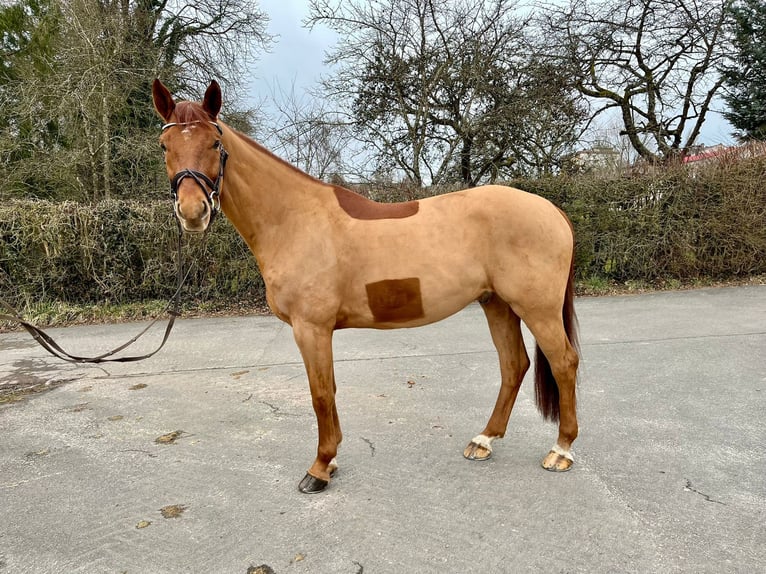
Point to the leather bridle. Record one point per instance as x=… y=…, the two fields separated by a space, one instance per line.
x=213 y=196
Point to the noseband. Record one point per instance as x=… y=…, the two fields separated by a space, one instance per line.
x=203 y=181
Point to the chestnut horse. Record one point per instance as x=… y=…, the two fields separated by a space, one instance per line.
x=333 y=259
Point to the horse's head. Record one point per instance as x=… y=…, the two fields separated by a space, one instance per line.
x=194 y=155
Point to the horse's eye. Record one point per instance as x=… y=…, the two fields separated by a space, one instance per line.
x=163 y=147
x=217 y=144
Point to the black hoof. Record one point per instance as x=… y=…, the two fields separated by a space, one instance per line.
x=312 y=485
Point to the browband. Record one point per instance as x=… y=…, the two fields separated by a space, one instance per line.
x=171 y=124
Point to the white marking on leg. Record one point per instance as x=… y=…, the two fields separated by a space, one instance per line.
x=483 y=441
x=333 y=466
x=562 y=452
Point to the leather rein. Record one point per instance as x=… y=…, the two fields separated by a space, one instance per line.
x=173 y=307
x=49 y=344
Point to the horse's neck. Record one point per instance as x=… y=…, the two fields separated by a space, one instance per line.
x=265 y=197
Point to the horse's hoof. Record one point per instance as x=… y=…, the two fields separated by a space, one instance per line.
x=476 y=451
x=312 y=485
x=557 y=462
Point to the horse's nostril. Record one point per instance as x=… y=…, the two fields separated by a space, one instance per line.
x=191 y=212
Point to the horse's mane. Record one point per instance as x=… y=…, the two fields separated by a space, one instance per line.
x=187 y=112
x=255 y=145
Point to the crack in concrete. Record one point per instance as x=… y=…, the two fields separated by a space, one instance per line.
x=370 y=444
x=705 y=496
x=275 y=410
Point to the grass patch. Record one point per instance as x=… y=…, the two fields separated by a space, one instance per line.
x=60 y=314
x=594 y=286
x=25 y=386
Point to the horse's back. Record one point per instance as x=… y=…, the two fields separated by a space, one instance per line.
x=455 y=249
x=510 y=218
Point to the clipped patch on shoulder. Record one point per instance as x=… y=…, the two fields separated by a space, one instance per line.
x=360 y=207
x=395 y=300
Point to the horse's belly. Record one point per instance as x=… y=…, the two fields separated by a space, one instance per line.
x=409 y=301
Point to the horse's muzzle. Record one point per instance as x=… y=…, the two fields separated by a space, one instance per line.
x=194 y=215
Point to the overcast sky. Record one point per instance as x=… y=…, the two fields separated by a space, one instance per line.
x=298 y=54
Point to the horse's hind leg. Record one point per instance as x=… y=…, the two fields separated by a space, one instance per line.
x=505 y=328
x=558 y=384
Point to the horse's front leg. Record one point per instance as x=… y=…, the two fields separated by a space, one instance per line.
x=315 y=344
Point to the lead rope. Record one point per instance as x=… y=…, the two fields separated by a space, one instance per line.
x=47 y=342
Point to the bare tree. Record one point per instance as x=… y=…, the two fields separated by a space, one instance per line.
x=308 y=134
x=202 y=40
x=446 y=90
x=79 y=110
x=656 y=62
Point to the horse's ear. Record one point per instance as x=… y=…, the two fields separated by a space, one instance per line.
x=163 y=100
x=212 y=102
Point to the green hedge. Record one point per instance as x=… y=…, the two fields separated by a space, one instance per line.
x=116 y=252
x=680 y=225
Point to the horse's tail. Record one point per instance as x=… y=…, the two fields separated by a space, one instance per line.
x=546 y=389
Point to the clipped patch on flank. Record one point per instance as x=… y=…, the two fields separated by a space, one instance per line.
x=395 y=300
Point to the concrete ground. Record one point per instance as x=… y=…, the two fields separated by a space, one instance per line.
x=189 y=461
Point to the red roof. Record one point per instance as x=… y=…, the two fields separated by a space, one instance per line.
x=704 y=155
